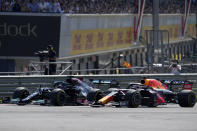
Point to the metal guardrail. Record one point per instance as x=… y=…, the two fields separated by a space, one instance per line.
x=122 y=77
x=9 y=83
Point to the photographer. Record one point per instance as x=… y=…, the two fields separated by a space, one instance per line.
x=49 y=55
x=51 y=58
x=175 y=68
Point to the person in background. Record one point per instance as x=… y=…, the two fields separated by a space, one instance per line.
x=16 y=6
x=175 y=68
x=43 y=6
x=51 y=58
x=33 y=6
x=57 y=7
x=50 y=6
x=8 y=5
x=28 y=4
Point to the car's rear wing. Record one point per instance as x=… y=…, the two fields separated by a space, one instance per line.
x=177 y=85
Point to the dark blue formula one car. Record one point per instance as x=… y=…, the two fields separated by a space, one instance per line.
x=73 y=91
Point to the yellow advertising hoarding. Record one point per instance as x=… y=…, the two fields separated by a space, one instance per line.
x=95 y=40
x=87 y=41
x=191 y=30
x=174 y=31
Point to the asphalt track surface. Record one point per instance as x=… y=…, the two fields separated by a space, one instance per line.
x=85 y=118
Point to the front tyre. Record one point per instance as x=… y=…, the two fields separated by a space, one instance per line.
x=94 y=95
x=57 y=97
x=186 y=98
x=133 y=98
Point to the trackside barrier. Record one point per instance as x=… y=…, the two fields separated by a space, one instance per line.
x=122 y=77
x=9 y=83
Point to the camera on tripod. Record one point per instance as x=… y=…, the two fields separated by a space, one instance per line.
x=42 y=55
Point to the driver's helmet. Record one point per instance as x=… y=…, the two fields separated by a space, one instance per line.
x=72 y=80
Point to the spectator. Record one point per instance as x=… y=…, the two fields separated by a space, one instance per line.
x=3 y=7
x=175 y=68
x=28 y=4
x=34 y=6
x=8 y=5
x=43 y=6
x=93 y=6
x=16 y=6
x=24 y=6
x=50 y=6
x=56 y=7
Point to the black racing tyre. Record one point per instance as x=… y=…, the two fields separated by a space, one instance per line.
x=20 y=92
x=57 y=97
x=186 y=98
x=94 y=95
x=133 y=98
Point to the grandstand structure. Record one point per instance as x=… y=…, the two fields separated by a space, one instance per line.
x=99 y=43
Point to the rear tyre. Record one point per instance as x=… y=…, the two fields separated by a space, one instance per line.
x=20 y=93
x=186 y=98
x=57 y=97
x=133 y=98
